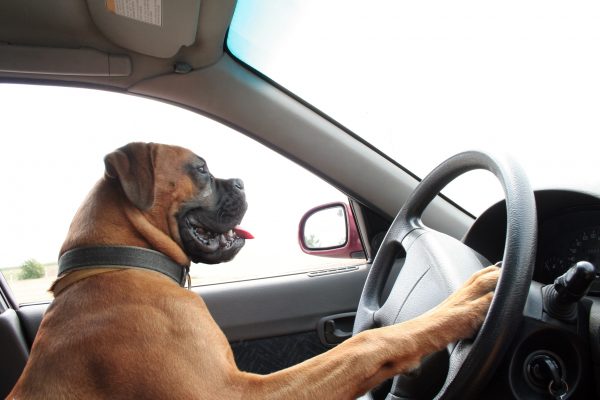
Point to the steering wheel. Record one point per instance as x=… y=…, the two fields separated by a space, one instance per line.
x=436 y=265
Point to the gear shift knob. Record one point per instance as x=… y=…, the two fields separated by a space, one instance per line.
x=575 y=283
x=561 y=297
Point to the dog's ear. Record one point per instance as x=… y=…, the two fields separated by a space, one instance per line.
x=132 y=165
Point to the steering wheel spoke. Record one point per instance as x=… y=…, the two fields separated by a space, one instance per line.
x=428 y=276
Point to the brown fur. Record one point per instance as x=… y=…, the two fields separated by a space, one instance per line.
x=133 y=334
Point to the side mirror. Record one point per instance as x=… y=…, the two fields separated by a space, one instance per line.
x=330 y=231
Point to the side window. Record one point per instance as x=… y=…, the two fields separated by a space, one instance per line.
x=54 y=144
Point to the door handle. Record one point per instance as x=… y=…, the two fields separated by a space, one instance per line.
x=334 y=329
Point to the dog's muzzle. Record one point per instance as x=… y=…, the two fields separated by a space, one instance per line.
x=211 y=235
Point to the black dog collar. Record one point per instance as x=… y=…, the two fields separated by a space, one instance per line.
x=122 y=257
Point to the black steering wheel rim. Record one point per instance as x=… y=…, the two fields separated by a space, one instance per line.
x=470 y=373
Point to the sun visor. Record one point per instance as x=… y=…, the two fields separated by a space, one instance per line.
x=153 y=27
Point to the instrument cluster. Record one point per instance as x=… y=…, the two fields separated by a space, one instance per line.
x=565 y=239
x=568 y=232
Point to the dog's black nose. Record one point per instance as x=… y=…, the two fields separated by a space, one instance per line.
x=238 y=184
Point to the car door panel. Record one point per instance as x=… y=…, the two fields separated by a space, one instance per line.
x=14 y=350
x=30 y=317
x=273 y=323
x=263 y=356
x=281 y=305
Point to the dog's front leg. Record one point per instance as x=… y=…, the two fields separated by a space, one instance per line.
x=371 y=357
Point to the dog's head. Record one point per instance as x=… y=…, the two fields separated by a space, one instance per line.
x=178 y=194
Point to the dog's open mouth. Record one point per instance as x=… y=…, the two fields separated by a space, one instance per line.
x=212 y=241
x=211 y=246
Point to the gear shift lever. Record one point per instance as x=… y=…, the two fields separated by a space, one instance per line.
x=560 y=298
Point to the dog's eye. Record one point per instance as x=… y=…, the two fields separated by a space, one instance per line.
x=201 y=168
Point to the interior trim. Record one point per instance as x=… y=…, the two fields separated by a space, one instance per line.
x=156 y=31
x=62 y=61
x=14 y=351
x=7 y=300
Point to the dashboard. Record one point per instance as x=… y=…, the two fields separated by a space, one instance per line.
x=568 y=232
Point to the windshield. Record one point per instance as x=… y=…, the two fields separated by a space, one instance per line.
x=422 y=81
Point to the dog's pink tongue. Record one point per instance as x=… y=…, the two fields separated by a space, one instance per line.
x=244 y=234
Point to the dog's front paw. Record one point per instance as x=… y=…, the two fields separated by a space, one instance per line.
x=457 y=317
x=465 y=309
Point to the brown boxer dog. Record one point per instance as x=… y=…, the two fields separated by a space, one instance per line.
x=134 y=333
